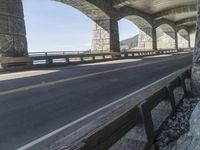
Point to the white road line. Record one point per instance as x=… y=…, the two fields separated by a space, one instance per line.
x=39 y=140
x=45 y=84
x=19 y=75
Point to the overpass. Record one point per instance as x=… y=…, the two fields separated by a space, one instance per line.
x=176 y=19
x=34 y=104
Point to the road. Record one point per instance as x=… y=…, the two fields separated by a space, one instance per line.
x=35 y=103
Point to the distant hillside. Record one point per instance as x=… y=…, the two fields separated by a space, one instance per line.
x=133 y=41
x=129 y=43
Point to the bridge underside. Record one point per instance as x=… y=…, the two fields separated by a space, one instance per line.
x=169 y=16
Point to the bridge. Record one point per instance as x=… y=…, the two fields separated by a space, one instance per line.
x=87 y=100
x=176 y=19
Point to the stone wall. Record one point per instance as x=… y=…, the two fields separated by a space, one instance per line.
x=105 y=36
x=12 y=29
x=145 y=40
x=166 y=41
x=183 y=39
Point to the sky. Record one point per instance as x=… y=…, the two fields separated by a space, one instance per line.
x=53 y=26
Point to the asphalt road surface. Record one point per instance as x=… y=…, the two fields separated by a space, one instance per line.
x=35 y=103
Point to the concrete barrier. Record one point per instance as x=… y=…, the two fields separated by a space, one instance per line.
x=48 y=60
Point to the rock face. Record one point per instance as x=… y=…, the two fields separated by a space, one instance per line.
x=196 y=57
x=196 y=80
x=129 y=43
x=191 y=140
x=179 y=124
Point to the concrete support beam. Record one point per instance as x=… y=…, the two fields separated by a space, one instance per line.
x=120 y=3
x=177 y=10
x=185 y=21
x=12 y=29
x=105 y=36
x=196 y=58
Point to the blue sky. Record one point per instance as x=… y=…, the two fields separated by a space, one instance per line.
x=53 y=26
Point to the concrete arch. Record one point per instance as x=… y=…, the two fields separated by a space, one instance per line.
x=105 y=31
x=145 y=37
x=183 y=38
x=160 y=22
x=139 y=21
x=183 y=28
x=127 y=11
x=89 y=9
x=166 y=37
x=166 y=28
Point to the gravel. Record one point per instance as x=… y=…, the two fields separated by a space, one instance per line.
x=176 y=125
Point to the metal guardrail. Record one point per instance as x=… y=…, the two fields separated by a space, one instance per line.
x=58 y=53
x=62 y=58
x=134 y=115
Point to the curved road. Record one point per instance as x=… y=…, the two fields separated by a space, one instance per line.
x=35 y=103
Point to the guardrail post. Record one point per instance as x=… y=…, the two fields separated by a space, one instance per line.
x=67 y=60
x=126 y=54
x=147 y=121
x=172 y=97
x=49 y=61
x=82 y=59
x=182 y=80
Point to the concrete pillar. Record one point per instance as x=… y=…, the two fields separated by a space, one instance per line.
x=196 y=58
x=189 y=40
x=192 y=38
x=154 y=38
x=105 y=36
x=12 y=29
x=145 y=39
x=176 y=40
